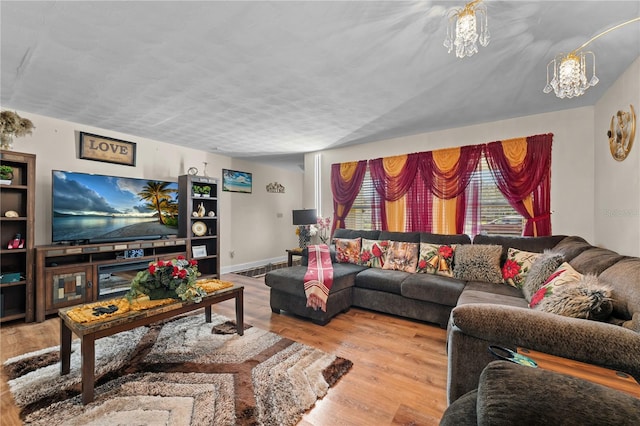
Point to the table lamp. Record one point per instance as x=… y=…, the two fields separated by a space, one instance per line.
x=304 y=218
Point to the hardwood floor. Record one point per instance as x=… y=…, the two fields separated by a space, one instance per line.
x=399 y=366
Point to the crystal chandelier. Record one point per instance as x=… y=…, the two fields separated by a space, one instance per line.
x=466 y=29
x=570 y=74
x=570 y=70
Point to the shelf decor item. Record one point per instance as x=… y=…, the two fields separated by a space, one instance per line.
x=12 y=125
x=171 y=279
x=6 y=174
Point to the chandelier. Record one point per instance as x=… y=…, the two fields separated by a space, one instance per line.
x=569 y=75
x=466 y=29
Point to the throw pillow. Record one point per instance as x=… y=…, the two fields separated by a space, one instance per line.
x=401 y=256
x=436 y=259
x=563 y=275
x=373 y=252
x=540 y=270
x=478 y=262
x=348 y=250
x=586 y=299
x=517 y=266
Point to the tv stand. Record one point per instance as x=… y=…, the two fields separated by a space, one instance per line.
x=68 y=275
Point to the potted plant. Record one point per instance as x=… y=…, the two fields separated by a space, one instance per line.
x=12 y=125
x=196 y=191
x=205 y=190
x=6 y=174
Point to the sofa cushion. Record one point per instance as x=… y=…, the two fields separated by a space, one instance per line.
x=478 y=262
x=484 y=292
x=532 y=244
x=354 y=233
x=426 y=237
x=511 y=394
x=348 y=250
x=407 y=237
x=382 y=280
x=595 y=260
x=401 y=256
x=436 y=259
x=586 y=298
x=570 y=247
x=291 y=280
x=541 y=269
x=432 y=288
x=373 y=252
x=624 y=279
x=517 y=266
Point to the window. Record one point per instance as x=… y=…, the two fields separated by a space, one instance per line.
x=494 y=216
x=491 y=214
x=361 y=214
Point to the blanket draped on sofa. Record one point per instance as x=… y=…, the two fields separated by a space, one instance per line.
x=319 y=277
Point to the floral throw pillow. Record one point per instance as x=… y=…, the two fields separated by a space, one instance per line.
x=348 y=250
x=401 y=256
x=373 y=252
x=565 y=274
x=436 y=259
x=517 y=266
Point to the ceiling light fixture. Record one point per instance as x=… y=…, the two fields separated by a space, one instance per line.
x=466 y=29
x=570 y=70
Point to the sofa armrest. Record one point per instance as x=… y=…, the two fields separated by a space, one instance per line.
x=476 y=326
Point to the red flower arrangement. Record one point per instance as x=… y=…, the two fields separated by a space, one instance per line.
x=174 y=278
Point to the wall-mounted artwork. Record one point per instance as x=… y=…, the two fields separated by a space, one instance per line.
x=235 y=181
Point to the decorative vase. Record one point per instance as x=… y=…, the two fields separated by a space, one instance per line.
x=6 y=141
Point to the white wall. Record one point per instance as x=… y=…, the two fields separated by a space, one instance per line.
x=572 y=173
x=617 y=184
x=251 y=225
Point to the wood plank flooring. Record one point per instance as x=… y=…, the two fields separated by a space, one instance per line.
x=398 y=377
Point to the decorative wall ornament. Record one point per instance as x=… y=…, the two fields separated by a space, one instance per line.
x=275 y=187
x=109 y=150
x=622 y=132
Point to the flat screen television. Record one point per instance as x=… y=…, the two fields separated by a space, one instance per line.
x=90 y=208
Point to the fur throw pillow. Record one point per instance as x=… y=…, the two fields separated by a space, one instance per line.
x=478 y=262
x=541 y=269
x=586 y=299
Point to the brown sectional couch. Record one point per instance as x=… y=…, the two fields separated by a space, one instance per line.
x=479 y=314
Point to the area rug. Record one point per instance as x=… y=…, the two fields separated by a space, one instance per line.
x=179 y=372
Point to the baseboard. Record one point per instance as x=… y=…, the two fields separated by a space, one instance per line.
x=256 y=268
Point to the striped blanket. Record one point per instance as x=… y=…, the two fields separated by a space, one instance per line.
x=319 y=277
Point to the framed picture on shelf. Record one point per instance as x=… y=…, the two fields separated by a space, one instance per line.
x=235 y=181
x=199 y=251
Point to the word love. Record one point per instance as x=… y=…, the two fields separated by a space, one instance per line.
x=114 y=147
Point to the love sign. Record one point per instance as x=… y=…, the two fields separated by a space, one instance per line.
x=100 y=148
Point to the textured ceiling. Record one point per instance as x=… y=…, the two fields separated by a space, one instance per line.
x=272 y=80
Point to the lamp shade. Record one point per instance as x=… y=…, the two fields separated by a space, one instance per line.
x=305 y=217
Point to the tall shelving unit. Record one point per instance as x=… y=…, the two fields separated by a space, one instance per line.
x=16 y=264
x=199 y=223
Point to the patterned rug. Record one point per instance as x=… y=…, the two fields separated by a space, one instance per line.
x=179 y=372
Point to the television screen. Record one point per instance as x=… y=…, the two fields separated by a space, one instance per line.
x=88 y=208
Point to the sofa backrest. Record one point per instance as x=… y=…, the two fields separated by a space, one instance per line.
x=405 y=237
x=355 y=233
x=426 y=237
x=531 y=244
x=621 y=273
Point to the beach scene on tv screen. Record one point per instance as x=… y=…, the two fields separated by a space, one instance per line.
x=98 y=207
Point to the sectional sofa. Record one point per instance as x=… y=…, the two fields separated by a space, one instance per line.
x=479 y=313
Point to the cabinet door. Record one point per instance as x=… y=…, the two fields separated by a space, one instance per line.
x=68 y=285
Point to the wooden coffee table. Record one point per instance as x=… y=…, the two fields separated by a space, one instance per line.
x=89 y=332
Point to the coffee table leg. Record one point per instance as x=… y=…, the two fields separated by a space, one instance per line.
x=240 y=312
x=207 y=314
x=65 y=348
x=88 y=367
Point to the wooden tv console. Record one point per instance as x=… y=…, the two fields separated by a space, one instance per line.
x=68 y=275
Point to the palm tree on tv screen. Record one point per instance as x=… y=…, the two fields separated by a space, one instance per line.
x=158 y=195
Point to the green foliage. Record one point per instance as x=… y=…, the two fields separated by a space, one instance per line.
x=168 y=279
x=6 y=172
